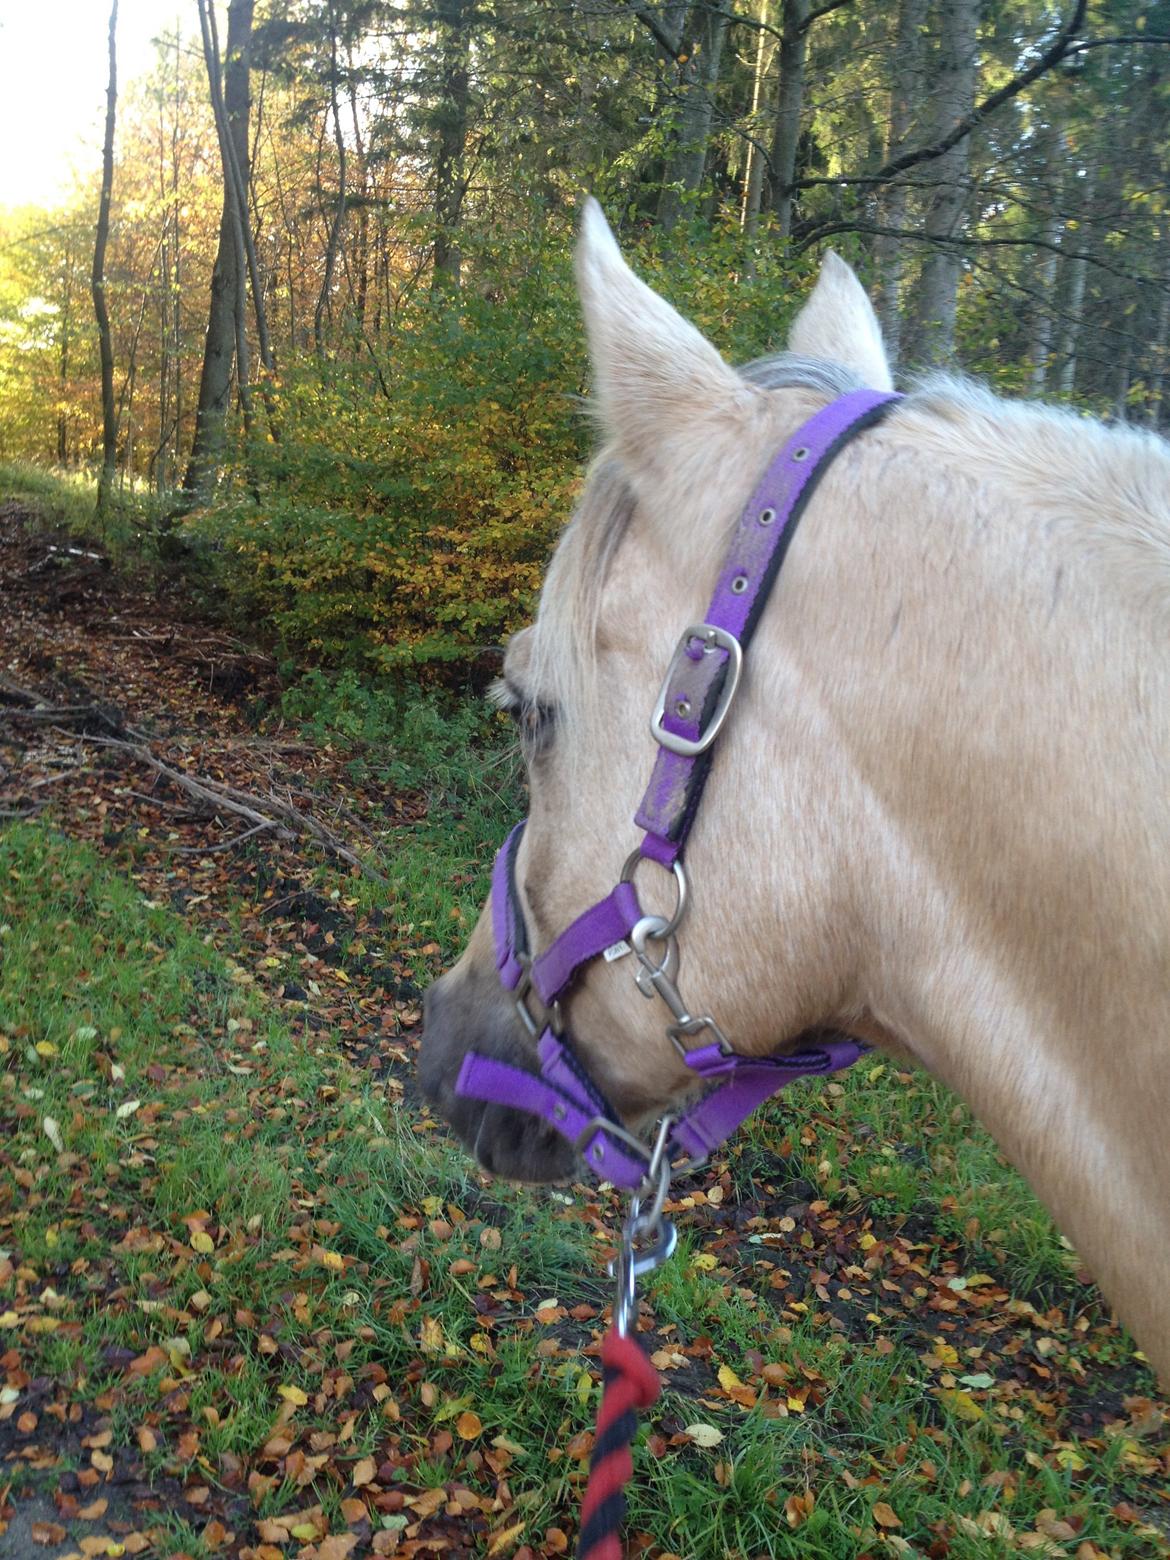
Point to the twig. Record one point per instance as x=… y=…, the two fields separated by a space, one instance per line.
x=286 y=824
x=17 y=695
x=238 y=839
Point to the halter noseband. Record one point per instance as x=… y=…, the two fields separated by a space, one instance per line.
x=696 y=696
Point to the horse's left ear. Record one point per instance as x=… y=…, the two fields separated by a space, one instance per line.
x=661 y=387
x=838 y=325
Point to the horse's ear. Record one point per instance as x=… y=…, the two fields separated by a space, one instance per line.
x=658 y=382
x=838 y=325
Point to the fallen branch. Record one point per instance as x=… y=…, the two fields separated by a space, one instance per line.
x=263 y=813
x=12 y=693
x=237 y=839
x=79 y=717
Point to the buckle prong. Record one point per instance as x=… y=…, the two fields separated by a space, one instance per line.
x=712 y=638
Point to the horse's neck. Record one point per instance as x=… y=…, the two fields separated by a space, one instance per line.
x=1016 y=750
x=1077 y=1100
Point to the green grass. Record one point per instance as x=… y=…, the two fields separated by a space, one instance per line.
x=69 y=498
x=350 y=1237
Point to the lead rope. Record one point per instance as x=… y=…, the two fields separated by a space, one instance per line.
x=630 y=1382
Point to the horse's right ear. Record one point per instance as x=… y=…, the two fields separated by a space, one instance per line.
x=838 y=325
x=660 y=385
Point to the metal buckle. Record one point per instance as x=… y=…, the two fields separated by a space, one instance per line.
x=554 y=1019
x=689 y=1026
x=614 y=1129
x=713 y=638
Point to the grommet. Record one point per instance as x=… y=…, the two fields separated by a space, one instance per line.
x=766 y=516
x=801 y=453
x=597 y=1152
x=683 y=708
x=739 y=584
x=559 y=1112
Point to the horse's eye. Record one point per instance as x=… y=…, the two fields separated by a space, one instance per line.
x=536 y=723
x=533 y=720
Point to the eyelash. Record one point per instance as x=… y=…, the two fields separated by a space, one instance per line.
x=533 y=720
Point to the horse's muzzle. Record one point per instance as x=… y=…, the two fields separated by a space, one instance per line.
x=465 y=1011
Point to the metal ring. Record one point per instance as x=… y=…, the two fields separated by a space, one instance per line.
x=652 y=928
x=680 y=878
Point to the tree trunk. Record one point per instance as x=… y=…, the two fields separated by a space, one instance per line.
x=890 y=249
x=1077 y=267
x=451 y=125
x=323 y=297
x=786 y=132
x=105 y=349
x=1050 y=168
x=953 y=98
x=63 y=362
x=697 y=84
x=1159 y=354
x=227 y=277
x=753 y=182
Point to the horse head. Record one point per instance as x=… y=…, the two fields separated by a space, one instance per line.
x=685 y=438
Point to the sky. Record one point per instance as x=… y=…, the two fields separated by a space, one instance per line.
x=53 y=68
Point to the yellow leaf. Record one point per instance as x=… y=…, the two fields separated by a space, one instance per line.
x=468 y=1425
x=363 y=1471
x=963 y=1406
x=431 y=1335
x=201 y=1241
x=704 y=1261
x=584 y=1387
x=505 y=1539
x=45 y=1048
x=885 y=1515
x=704 y=1435
x=305 y=1530
x=293 y=1395
x=866 y=1240
x=728 y=1378
x=796 y=1405
x=333 y=1260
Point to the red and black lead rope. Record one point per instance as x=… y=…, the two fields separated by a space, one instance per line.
x=630 y=1383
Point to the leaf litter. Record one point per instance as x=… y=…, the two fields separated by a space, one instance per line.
x=278 y=1374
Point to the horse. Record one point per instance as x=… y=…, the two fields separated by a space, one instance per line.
x=938 y=819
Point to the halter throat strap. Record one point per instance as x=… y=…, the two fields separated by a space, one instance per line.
x=694 y=701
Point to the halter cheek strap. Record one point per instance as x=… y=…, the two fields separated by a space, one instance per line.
x=696 y=696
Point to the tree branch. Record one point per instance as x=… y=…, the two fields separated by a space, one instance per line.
x=653 y=25
x=971 y=121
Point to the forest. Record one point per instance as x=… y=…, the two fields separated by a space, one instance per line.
x=341 y=355
x=294 y=404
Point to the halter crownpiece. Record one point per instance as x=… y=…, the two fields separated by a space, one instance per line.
x=694 y=702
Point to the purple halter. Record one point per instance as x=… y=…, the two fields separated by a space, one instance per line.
x=694 y=701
